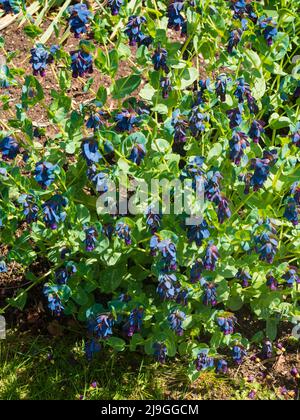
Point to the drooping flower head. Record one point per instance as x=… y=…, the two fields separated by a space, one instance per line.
x=91 y=235
x=223 y=210
x=79 y=19
x=9 y=148
x=234 y=39
x=272 y=282
x=176 y=20
x=124 y=232
x=269 y=29
x=103 y=326
x=176 y=319
x=295 y=136
x=168 y=251
x=44 y=174
x=227 y=323
x=265 y=240
x=238 y=144
x=291 y=277
x=135 y=320
x=54 y=297
x=3 y=267
x=196 y=271
x=166 y=86
x=198 y=121
x=235 y=116
x=63 y=274
x=159 y=59
x=138 y=153
x=30 y=208
x=53 y=211
x=115 y=6
x=10 y=6
x=81 y=63
x=292 y=211
x=40 y=58
x=256 y=131
x=99 y=179
x=221 y=86
x=267 y=350
x=133 y=29
x=160 y=352
x=198 y=233
x=95 y=116
x=126 y=121
x=167 y=287
x=210 y=294
x=244 y=277
x=222 y=367
x=204 y=362
x=238 y=354
x=153 y=220
x=90 y=150
x=180 y=125
x=261 y=169
x=211 y=257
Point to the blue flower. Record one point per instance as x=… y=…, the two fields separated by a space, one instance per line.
x=198 y=233
x=292 y=211
x=63 y=274
x=160 y=352
x=238 y=354
x=10 y=6
x=53 y=211
x=222 y=367
x=211 y=257
x=296 y=136
x=91 y=235
x=204 y=362
x=166 y=85
x=291 y=277
x=90 y=150
x=153 y=220
x=244 y=277
x=40 y=58
x=138 y=153
x=3 y=267
x=265 y=241
x=180 y=125
x=167 y=287
x=45 y=174
x=198 y=121
x=235 y=116
x=210 y=294
x=81 y=63
x=269 y=28
x=221 y=86
x=79 y=19
x=134 y=323
x=99 y=179
x=212 y=186
x=9 y=148
x=196 y=271
x=54 y=300
x=204 y=85
x=272 y=282
x=103 y=326
x=176 y=319
x=223 y=211
x=115 y=6
x=95 y=120
x=234 y=39
x=91 y=347
x=168 y=251
x=242 y=90
x=133 y=29
x=159 y=59
x=261 y=169
x=295 y=191
x=30 y=208
x=182 y=297
x=256 y=130
x=176 y=20
x=238 y=144
x=126 y=121
x=227 y=324
x=267 y=350
x=124 y=232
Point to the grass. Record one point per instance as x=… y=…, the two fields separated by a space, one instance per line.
x=44 y=368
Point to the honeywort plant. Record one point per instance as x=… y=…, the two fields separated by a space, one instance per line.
x=212 y=94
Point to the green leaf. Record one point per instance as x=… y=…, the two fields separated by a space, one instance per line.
x=118 y=344
x=125 y=86
x=188 y=77
x=19 y=301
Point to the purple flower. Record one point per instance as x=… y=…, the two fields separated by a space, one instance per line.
x=99 y=179
x=210 y=294
x=296 y=136
x=222 y=367
x=167 y=287
x=180 y=125
x=182 y=297
x=165 y=84
x=295 y=373
x=138 y=153
x=153 y=220
x=227 y=324
x=252 y=394
x=40 y=58
x=267 y=350
x=204 y=362
x=196 y=271
x=103 y=326
x=224 y=211
x=176 y=319
x=63 y=274
x=52 y=294
x=292 y=211
x=115 y=6
x=211 y=257
x=200 y=94
x=135 y=320
x=291 y=277
x=266 y=246
x=198 y=121
x=44 y=174
x=159 y=59
x=198 y=233
x=160 y=352
x=53 y=211
x=124 y=232
x=221 y=87
x=176 y=20
x=244 y=277
x=234 y=39
x=79 y=19
x=9 y=148
x=30 y=209
x=96 y=117
x=269 y=28
x=81 y=63
x=168 y=251
x=126 y=121
x=133 y=29
x=238 y=145
x=261 y=169
x=10 y=6
x=90 y=150
x=212 y=186
x=91 y=235
x=256 y=130
x=272 y=283
x=242 y=90
x=238 y=354
x=235 y=116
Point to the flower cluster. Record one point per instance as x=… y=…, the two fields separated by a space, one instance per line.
x=81 y=63
x=134 y=33
x=176 y=319
x=265 y=239
x=9 y=148
x=292 y=209
x=115 y=6
x=176 y=20
x=45 y=174
x=40 y=58
x=134 y=322
x=227 y=323
x=79 y=18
